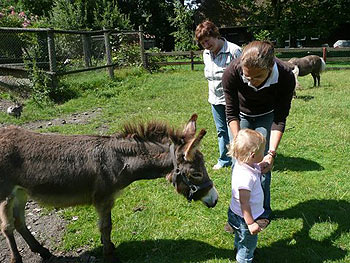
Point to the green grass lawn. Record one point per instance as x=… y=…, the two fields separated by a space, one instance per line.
x=310 y=188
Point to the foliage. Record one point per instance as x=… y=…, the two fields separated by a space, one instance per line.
x=68 y=15
x=41 y=89
x=183 y=23
x=153 y=16
x=221 y=12
x=295 y=18
x=37 y=7
x=107 y=15
x=126 y=53
x=262 y=35
x=11 y=17
x=153 y=60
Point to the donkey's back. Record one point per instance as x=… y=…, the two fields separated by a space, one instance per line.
x=53 y=169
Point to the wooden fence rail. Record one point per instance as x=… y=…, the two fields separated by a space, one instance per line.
x=188 y=57
x=283 y=53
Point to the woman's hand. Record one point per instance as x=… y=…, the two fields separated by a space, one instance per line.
x=266 y=164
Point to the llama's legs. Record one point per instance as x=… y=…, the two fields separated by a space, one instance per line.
x=18 y=213
x=7 y=228
x=314 y=77
x=105 y=226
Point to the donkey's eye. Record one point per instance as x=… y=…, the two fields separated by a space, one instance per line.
x=196 y=175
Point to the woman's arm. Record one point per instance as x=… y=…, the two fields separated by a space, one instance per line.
x=244 y=196
x=234 y=127
x=267 y=163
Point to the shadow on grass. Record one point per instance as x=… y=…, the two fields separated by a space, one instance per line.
x=304 y=98
x=174 y=251
x=295 y=164
x=328 y=220
x=301 y=247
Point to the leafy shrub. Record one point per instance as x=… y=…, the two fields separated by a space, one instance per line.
x=107 y=15
x=68 y=15
x=184 y=35
x=153 y=60
x=126 y=51
x=262 y=35
x=10 y=17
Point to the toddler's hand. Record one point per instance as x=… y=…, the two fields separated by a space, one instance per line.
x=254 y=228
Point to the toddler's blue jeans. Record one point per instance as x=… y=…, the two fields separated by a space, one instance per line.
x=245 y=242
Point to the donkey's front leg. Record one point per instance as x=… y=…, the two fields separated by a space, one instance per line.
x=7 y=228
x=105 y=226
x=20 y=225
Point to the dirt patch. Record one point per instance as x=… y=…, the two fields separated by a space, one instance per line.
x=75 y=118
x=48 y=229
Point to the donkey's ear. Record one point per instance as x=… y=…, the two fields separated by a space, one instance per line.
x=190 y=128
x=193 y=146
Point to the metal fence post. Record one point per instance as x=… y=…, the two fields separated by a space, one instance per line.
x=52 y=56
x=142 y=46
x=108 y=54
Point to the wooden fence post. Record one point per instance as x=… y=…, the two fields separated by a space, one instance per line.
x=52 y=56
x=108 y=54
x=87 y=49
x=142 y=46
x=192 y=64
x=324 y=54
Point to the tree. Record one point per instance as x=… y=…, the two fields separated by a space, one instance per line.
x=153 y=16
x=183 y=22
x=281 y=18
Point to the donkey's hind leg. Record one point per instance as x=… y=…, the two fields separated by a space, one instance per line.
x=20 y=225
x=7 y=227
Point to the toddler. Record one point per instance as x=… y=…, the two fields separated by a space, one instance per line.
x=247 y=195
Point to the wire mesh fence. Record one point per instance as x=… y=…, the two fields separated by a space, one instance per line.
x=61 y=52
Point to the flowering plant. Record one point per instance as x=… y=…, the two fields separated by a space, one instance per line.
x=10 y=18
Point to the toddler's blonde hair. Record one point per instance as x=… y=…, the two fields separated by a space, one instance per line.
x=246 y=142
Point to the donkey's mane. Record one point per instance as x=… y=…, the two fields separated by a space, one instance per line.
x=154 y=131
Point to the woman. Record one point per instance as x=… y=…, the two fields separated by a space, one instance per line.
x=258 y=91
x=217 y=56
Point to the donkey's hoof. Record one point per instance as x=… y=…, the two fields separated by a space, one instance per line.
x=16 y=260
x=45 y=254
x=111 y=259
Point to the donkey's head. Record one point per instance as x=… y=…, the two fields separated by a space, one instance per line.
x=189 y=175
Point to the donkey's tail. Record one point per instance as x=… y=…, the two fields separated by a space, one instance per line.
x=323 y=65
